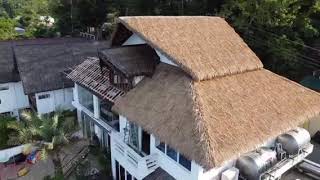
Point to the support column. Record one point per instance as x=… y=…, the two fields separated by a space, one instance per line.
x=96 y=113
x=96 y=107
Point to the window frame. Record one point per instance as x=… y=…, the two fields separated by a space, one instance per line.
x=178 y=155
x=43 y=96
x=4 y=88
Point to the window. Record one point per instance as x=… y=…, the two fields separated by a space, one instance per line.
x=134 y=136
x=162 y=147
x=184 y=162
x=4 y=88
x=85 y=98
x=44 y=96
x=172 y=153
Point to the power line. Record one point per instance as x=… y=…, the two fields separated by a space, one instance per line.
x=295 y=42
x=298 y=54
x=297 y=58
x=302 y=61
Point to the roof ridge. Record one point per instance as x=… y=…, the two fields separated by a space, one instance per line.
x=201 y=127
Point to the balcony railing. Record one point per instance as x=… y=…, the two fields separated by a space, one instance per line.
x=143 y=165
x=108 y=125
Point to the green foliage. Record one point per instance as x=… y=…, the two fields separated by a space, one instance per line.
x=53 y=130
x=58 y=176
x=272 y=27
x=4 y=120
x=26 y=13
x=7 y=29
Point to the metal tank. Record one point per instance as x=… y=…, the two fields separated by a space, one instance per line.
x=294 y=140
x=253 y=164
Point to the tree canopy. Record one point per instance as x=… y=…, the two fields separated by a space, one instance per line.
x=7 y=29
x=278 y=30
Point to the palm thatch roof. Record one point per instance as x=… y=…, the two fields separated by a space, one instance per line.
x=8 y=72
x=214 y=121
x=131 y=60
x=42 y=66
x=204 y=47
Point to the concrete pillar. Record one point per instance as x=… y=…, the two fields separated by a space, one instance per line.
x=96 y=107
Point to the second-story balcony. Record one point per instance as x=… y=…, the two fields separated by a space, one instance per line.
x=136 y=162
x=107 y=115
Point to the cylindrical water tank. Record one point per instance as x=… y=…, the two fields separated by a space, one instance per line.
x=294 y=140
x=253 y=164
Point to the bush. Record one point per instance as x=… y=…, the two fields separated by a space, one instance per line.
x=7 y=31
x=5 y=131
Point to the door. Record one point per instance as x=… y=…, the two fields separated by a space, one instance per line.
x=87 y=126
x=146 y=142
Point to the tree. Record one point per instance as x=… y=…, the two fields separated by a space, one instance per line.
x=7 y=31
x=4 y=120
x=51 y=132
x=276 y=30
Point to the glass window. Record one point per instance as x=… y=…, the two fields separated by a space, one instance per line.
x=105 y=111
x=44 y=96
x=161 y=146
x=184 y=162
x=85 y=98
x=134 y=135
x=172 y=153
x=4 y=88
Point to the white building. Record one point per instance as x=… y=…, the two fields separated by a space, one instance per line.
x=32 y=73
x=12 y=98
x=185 y=98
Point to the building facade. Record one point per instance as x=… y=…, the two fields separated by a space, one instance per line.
x=185 y=104
x=32 y=73
x=12 y=98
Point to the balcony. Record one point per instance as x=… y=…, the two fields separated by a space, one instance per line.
x=108 y=116
x=110 y=126
x=142 y=165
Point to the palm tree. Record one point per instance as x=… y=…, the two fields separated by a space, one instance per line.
x=49 y=132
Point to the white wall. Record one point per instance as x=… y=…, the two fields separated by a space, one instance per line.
x=13 y=99
x=174 y=168
x=134 y=39
x=61 y=98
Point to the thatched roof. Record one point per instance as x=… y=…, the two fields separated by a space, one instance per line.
x=41 y=66
x=8 y=72
x=204 y=47
x=214 y=121
x=89 y=74
x=131 y=60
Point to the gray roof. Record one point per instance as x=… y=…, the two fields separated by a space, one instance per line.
x=42 y=66
x=8 y=72
x=159 y=174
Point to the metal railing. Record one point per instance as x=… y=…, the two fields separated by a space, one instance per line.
x=87 y=36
